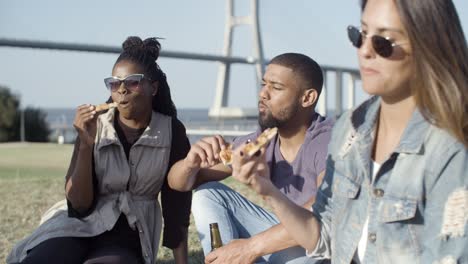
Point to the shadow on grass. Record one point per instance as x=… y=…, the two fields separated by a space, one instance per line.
x=195 y=257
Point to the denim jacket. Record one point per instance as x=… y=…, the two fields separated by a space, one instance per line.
x=417 y=205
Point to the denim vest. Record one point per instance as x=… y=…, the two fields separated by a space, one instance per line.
x=417 y=204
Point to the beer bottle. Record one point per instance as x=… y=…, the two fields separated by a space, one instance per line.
x=216 y=241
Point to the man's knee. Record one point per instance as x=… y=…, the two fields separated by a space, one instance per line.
x=207 y=194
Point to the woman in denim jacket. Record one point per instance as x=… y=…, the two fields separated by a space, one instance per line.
x=396 y=184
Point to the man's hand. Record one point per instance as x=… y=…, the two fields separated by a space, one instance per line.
x=205 y=153
x=237 y=251
x=202 y=164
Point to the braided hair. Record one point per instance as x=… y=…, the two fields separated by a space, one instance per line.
x=145 y=53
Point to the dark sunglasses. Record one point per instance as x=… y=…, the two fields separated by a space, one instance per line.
x=131 y=82
x=381 y=45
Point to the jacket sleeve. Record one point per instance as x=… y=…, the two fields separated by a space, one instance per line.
x=322 y=209
x=323 y=206
x=176 y=205
x=446 y=215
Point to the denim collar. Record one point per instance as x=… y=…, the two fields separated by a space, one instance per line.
x=412 y=140
x=364 y=117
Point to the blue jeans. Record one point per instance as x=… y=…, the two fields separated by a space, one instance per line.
x=237 y=217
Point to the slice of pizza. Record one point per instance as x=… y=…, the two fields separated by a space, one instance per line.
x=262 y=140
x=250 y=148
x=104 y=107
x=225 y=155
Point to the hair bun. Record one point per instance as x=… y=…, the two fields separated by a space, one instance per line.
x=132 y=44
x=152 y=47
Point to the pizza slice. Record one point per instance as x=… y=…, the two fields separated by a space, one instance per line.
x=225 y=155
x=104 y=107
x=262 y=140
x=250 y=148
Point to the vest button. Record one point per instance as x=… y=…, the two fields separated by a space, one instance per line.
x=378 y=193
x=372 y=237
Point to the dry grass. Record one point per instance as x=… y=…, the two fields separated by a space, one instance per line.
x=31 y=180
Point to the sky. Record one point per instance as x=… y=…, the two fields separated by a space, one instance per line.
x=56 y=79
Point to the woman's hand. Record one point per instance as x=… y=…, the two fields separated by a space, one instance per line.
x=253 y=171
x=85 y=124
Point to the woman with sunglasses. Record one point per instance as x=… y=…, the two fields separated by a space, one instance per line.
x=396 y=183
x=118 y=168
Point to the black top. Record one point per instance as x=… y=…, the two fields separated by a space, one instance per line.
x=175 y=205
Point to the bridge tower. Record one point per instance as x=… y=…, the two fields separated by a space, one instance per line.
x=220 y=107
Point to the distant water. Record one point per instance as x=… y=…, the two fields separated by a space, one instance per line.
x=191 y=118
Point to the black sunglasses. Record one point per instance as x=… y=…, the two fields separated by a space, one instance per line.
x=381 y=45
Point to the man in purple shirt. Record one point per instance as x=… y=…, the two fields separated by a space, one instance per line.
x=291 y=87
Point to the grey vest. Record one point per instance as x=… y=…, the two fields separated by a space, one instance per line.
x=129 y=187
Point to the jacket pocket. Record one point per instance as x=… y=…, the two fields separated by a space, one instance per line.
x=397 y=209
x=344 y=186
x=399 y=229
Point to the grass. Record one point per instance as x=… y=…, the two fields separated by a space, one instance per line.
x=32 y=180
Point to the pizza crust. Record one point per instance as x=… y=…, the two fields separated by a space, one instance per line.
x=104 y=107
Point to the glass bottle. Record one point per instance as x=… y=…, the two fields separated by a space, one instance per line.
x=216 y=241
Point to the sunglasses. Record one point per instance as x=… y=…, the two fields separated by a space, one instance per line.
x=131 y=82
x=383 y=46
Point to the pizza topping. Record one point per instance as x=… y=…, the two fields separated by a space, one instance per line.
x=226 y=155
x=251 y=147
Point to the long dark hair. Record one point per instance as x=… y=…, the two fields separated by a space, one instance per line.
x=145 y=53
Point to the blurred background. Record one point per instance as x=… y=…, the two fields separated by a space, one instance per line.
x=57 y=82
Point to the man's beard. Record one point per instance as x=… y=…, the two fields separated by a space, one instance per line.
x=284 y=116
x=268 y=121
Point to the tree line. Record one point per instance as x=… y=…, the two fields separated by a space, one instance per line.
x=36 y=128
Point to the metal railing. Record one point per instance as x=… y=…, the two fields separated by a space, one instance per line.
x=339 y=72
x=332 y=75
x=340 y=90
x=35 y=44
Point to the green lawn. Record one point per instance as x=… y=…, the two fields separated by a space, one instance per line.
x=32 y=180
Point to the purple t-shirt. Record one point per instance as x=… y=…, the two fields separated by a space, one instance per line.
x=298 y=179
